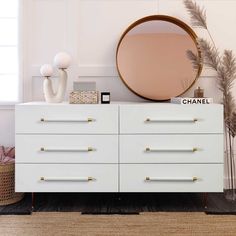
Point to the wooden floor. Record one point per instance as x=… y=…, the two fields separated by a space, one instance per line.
x=182 y=224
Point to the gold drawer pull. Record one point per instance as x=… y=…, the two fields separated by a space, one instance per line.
x=169 y=120
x=88 y=149
x=69 y=179
x=148 y=149
x=177 y=179
x=87 y=120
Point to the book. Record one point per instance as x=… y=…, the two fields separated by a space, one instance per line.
x=84 y=86
x=191 y=101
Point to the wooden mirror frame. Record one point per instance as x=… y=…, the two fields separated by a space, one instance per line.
x=169 y=19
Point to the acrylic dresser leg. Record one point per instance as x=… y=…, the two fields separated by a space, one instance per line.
x=32 y=201
x=205 y=200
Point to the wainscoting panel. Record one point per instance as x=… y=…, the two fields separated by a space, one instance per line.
x=101 y=24
x=48 y=29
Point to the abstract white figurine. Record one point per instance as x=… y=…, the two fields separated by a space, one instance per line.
x=62 y=62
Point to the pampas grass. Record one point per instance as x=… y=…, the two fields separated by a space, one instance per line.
x=197 y=14
x=225 y=66
x=195 y=59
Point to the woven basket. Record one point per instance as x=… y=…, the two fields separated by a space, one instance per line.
x=7 y=185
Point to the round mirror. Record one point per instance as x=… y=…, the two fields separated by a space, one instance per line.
x=152 y=57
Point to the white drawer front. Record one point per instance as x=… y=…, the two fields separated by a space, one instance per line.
x=67 y=119
x=67 y=148
x=66 y=178
x=171 y=148
x=171 y=178
x=171 y=118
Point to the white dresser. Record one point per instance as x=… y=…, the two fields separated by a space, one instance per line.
x=122 y=147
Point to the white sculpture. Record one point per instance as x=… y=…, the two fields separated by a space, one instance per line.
x=62 y=62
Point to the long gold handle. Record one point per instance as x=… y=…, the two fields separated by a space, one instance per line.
x=177 y=179
x=88 y=149
x=69 y=179
x=88 y=120
x=169 y=120
x=194 y=149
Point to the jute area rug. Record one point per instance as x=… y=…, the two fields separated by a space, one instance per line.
x=159 y=223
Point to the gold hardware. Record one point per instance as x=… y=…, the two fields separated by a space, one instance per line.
x=89 y=179
x=89 y=149
x=149 y=120
x=86 y=120
x=195 y=178
x=193 y=150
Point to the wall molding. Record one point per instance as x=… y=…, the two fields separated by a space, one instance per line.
x=97 y=71
x=91 y=70
x=83 y=71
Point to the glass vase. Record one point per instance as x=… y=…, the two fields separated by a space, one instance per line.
x=230 y=169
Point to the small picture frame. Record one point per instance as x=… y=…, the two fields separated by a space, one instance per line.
x=105 y=97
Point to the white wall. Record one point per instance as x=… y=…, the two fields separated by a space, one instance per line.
x=7 y=127
x=89 y=30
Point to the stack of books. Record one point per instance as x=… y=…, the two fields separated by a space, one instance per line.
x=192 y=101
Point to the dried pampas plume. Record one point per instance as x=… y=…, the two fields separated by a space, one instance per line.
x=210 y=54
x=225 y=67
x=198 y=14
x=195 y=59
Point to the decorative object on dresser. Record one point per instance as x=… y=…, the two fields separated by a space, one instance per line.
x=199 y=93
x=157 y=71
x=121 y=147
x=84 y=86
x=84 y=97
x=84 y=93
x=105 y=97
x=7 y=177
x=192 y=101
x=62 y=62
x=225 y=68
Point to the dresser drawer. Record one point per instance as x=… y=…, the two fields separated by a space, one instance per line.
x=171 y=118
x=67 y=148
x=67 y=119
x=171 y=148
x=171 y=178
x=66 y=178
